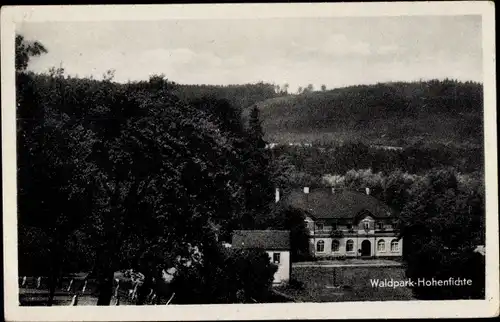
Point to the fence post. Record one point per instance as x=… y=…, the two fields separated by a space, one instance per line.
x=84 y=287
x=74 y=300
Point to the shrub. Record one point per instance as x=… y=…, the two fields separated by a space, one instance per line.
x=228 y=276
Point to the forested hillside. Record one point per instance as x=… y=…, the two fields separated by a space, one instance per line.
x=242 y=96
x=396 y=114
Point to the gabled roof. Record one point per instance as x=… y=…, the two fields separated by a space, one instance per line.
x=324 y=204
x=265 y=239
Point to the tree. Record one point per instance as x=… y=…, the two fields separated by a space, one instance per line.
x=286 y=86
x=257 y=177
x=54 y=197
x=225 y=115
x=396 y=189
x=255 y=131
x=441 y=229
x=25 y=50
x=292 y=219
x=323 y=88
x=162 y=176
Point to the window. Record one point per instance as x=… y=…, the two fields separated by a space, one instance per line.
x=381 y=246
x=276 y=258
x=394 y=246
x=320 y=246
x=380 y=225
x=335 y=245
x=320 y=226
x=334 y=226
x=366 y=225
x=349 y=227
x=349 y=246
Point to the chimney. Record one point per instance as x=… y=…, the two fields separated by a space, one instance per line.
x=367 y=190
x=306 y=189
x=277 y=195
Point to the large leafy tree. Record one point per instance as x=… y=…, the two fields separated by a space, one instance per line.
x=162 y=177
x=441 y=226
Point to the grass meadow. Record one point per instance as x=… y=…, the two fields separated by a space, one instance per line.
x=345 y=284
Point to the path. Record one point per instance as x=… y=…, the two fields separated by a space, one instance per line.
x=350 y=263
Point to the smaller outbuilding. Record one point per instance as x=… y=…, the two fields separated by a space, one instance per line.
x=275 y=242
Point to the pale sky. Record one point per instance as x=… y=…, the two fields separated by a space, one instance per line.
x=335 y=51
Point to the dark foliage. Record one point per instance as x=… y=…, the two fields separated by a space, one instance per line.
x=288 y=218
x=241 y=96
x=320 y=160
x=441 y=226
x=231 y=276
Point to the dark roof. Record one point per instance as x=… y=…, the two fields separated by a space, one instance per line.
x=266 y=239
x=324 y=204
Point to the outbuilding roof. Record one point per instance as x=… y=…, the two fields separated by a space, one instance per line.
x=265 y=239
x=325 y=204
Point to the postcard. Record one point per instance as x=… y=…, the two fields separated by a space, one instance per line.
x=249 y=161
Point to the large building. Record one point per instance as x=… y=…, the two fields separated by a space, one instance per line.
x=346 y=223
x=275 y=242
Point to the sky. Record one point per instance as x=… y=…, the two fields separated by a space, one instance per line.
x=335 y=51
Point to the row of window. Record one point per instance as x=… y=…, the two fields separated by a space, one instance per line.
x=366 y=225
x=349 y=246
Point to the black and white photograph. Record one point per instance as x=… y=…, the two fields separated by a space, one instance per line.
x=176 y=158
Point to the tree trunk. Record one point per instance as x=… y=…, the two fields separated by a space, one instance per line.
x=105 y=287
x=52 y=287
x=143 y=291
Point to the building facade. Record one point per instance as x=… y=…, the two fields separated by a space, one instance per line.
x=276 y=243
x=346 y=223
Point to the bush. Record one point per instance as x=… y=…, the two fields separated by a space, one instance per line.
x=441 y=226
x=229 y=276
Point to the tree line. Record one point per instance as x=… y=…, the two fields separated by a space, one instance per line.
x=417 y=158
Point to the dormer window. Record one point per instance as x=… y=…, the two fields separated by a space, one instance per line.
x=366 y=225
x=320 y=226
